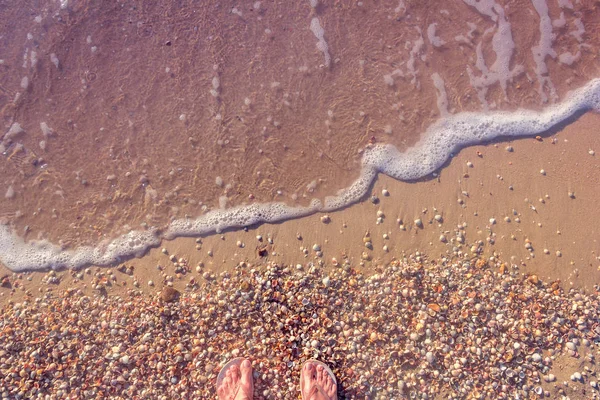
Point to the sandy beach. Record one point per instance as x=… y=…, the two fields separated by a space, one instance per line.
x=485 y=206
x=480 y=280
x=485 y=194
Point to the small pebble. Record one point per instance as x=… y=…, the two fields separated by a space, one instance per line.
x=121 y=339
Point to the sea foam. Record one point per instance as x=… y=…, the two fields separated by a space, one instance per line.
x=441 y=140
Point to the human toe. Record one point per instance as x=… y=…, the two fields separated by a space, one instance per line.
x=245 y=372
x=234 y=373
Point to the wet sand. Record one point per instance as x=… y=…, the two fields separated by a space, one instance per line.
x=500 y=184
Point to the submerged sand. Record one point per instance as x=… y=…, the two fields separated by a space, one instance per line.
x=161 y=112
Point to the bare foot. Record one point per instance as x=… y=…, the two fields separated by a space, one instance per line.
x=317 y=384
x=238 y=383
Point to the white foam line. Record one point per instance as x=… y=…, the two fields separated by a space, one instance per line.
x=437 y=145
x=238 y=217
x=18 y=255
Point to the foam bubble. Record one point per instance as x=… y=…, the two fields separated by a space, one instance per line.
x=46 y=130
x=438 y=143
x=442 y=96
x=54 y=60
x=578 y=33
x=435 y=41
x=319 y=32
x=569 y=58
x=415 y=52
x=503 y=46
x=14 y=130
x=10 y=193
x=542 y=50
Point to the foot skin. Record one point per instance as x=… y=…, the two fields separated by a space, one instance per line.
x=238 y=384
x=315 y=377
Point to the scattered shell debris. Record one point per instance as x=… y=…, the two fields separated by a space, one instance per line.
x=467 y=328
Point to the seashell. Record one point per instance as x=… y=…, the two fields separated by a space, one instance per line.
x=434 y=307
x=367 y=237
x=168 y=294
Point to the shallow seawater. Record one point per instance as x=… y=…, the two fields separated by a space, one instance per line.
x=128 y=116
